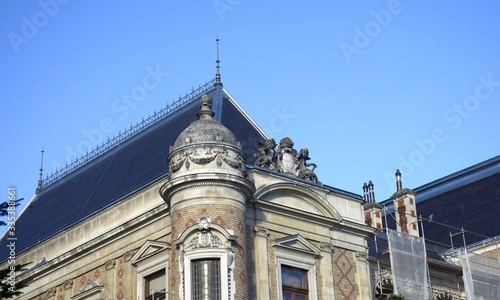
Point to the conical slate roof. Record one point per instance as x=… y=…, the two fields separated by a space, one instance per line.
x=135 y=162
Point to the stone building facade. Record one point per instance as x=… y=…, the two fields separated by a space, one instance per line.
x=212 y=224
x=197 y=202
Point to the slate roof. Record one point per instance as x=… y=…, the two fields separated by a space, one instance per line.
x=124 y=169
x=468 y=199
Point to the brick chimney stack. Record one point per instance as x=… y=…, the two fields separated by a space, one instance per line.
x=405 y=208
x=373 y=216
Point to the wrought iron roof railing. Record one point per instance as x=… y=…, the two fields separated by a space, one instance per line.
x=133 y=130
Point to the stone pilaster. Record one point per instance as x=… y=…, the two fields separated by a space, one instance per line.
x=110 y=278
x=326 y=274
x=262 y=263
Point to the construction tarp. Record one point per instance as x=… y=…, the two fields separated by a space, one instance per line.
x=409 y=265
x=481 y=275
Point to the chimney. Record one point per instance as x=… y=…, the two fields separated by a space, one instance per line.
x=371 y=193
x=405 y=208
x=372 y=209
x=365 y=192
x=399 y=184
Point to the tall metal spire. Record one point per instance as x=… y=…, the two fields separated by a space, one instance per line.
x=40 y=180
x=217 y=62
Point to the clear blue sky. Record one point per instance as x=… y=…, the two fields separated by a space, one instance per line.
x=367 y=86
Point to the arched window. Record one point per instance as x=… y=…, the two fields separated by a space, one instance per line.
x=206 y=262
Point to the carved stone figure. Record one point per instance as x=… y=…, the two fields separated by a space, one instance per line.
x=303 y=165
x=265 y=156
x=286 y=159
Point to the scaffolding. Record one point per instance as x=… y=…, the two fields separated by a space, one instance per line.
x=409 y=264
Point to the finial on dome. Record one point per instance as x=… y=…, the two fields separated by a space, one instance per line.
x=205 y=112
x=217 y=67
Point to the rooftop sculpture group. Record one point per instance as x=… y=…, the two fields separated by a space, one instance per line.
x=285 y=159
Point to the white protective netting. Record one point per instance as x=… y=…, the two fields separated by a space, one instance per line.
x=481 y=275
x=409 y=266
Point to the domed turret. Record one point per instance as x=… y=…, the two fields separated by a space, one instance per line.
x=206 y=146
x=205 y=129
x=207 y=183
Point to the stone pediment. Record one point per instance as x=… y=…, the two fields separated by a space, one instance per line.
x=297 y=243
x=299 y=198
x=149 y=249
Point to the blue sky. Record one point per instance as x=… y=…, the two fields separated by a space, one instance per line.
x=367 y=86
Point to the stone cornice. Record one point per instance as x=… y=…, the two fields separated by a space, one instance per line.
x=206 y=180
x=97 y=243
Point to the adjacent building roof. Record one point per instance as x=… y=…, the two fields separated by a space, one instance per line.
x=468 y=199
x=130 y=162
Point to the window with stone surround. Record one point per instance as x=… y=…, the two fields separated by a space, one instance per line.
x=206 y=262
x=205 y=279
x=296 y=268
x=151 y=263
x=155 y=286
x=294 y=283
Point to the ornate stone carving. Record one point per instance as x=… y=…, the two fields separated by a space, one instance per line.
x=326 y=247
x=204 y=223
x=51 y=292
x=110 y=264
x=261 y=231
x=128 y=255
x=205 y=156
x=285 y=159
x=68 y=284
x=204 y=238
x=88 y=285
x=265 y=156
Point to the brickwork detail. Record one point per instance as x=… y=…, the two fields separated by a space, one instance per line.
x=97 y=276
x=120 y=278
x=368 y=218
x=403 y=220
x=225 y=215
x=344 y=269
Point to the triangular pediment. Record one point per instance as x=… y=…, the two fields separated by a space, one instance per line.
x=149 y=249
x=298 y=244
